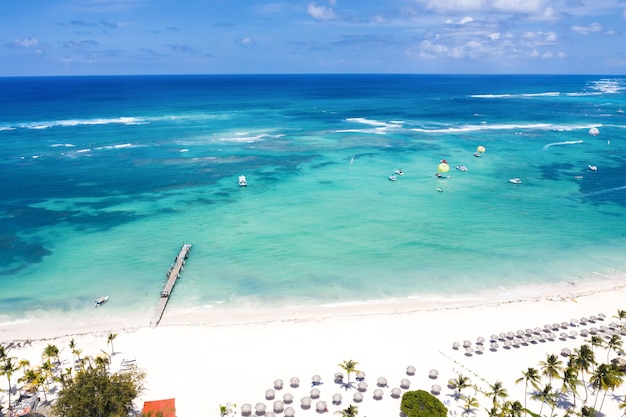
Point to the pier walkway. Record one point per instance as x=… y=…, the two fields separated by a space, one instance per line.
x=172 y=275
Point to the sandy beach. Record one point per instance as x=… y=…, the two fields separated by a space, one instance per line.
x=207 y=358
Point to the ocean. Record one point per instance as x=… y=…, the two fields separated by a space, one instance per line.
x=104 y=178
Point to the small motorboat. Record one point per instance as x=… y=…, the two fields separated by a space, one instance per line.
x=101 y=301
x=393 y=178
x=515 y=181
x=242 y=181
x=399 y=172
x=461 y=167
x=593 y=167
x=440 y=190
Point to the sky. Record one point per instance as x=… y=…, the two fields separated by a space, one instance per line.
x=130 y=37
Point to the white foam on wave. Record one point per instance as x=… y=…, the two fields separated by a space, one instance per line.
x=486 y=126
x=608 y=85
x=83 y=122
x=62 y=145
x=246 y=137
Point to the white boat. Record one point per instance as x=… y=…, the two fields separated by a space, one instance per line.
x=399 y=172
x=101 y=301
x=461 y=167
x=593 y=167
x=393 y=178
x=440 y=190
x=242 y=181
x=515 y=181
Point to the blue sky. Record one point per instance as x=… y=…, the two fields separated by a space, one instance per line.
x=84 y=37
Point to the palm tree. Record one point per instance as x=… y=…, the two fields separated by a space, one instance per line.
x=23 y=363
x=497 y=392
x=351 y=411
x=530 y=376
x=110 y=340
x=73 y=348
x=460 y=382
x=7 y=368
x=51 y=351
x=614 y=343
x=551 y=367
x=349 y=367
x=583 y=359
x=606 y=377
x=513 y=409
x=546 y=396
x=570 y=381
x=470 y=406
x=621 y=315
x=596 y=341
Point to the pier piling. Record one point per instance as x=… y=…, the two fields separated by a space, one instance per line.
x=172 y=275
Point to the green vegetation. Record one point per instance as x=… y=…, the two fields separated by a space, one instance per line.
x=422 y=404
x=93 y=392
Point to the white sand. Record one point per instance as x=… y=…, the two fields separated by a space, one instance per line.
x=204 y=359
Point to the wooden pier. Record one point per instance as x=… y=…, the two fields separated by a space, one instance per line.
x=172 y=275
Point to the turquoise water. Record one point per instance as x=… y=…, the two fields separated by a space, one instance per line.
x=105 y=177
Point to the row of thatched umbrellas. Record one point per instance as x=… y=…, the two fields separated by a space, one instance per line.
x=547 y=333
x=286 y=405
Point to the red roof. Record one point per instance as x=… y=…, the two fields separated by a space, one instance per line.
x=167 y=407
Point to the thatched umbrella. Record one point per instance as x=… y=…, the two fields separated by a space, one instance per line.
x=305 y=403
x=259 y=409
x=315 y=393
x=378 y=394
x=290 y=412
x=321 y=406
x=396 y=392
x=433 y=374
x=360 y=376
x=337 y=399
x=405 y=383
x=362 y=386
x=435 y=390
x=246 y=409
x=279 y=406
x=294 y=382
x=455 y=345
x=338 y=377
x=270 y=414
x=358 y=397
x=288 y=398
x=270 y=394
x=410 y=370
x=278 y=384
x=382 y=381
x=316 y=379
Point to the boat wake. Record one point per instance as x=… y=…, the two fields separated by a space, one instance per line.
x=567 y=142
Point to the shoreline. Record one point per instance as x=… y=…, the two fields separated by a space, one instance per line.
x=62 y=325
x=236 y=360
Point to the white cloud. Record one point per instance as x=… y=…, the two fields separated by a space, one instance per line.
x=465 y=20
x=24 y=43
x=320 y=12
x=585 y=30
x=246 y=41
x=506 y=6
x=494 y=36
